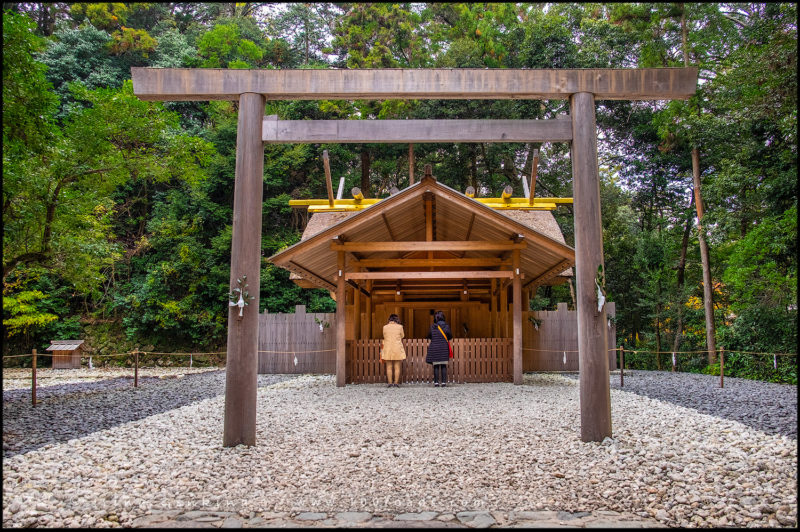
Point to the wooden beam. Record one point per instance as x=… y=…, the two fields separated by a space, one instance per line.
x=422 y=263
x=421 y=131
x=241 y=365
x=356 y=286
x=388 y=227
x=439 y=245
x=200 y=84
x=328 y=182
x=475 y=274
x=311 y=276
x=341 y=316
x=595 y=397
x=549 y=274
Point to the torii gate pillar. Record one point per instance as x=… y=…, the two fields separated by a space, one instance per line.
x=595 y=396
x=241 y=366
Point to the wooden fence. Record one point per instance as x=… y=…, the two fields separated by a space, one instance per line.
x=474 y=360
x=553 y=345
x=295 y=343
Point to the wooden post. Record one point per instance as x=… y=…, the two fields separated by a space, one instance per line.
x=341 y=315
x=517 y=341
x=534 y=168
x=410 y=164
x=621 y=366
x=328 y=181
x=503 y=309
x=356 y=312
x=721 y=367
x=674 y=362
x=492 y=309
x=595 y=394
x=33 y=379
x=241 y=366
x=136 y=369
x=368 y=310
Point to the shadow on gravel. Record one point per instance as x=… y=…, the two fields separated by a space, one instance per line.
x=764 y=406
x=71 y=411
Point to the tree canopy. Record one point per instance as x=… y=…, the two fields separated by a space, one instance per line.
x=118 y=212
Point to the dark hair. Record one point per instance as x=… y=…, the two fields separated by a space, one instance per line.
x=394 y=318
x=438 y=316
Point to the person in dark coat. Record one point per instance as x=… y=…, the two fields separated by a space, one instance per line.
x=438 y=350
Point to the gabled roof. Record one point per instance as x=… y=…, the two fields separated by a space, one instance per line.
x=457 y=217
x=64 y=345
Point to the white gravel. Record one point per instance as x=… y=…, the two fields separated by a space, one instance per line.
x=369 y=448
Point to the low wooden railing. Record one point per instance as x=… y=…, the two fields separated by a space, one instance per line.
x=474 y=360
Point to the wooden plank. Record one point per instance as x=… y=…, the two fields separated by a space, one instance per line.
x=423 y=131
x=595 y=398
x=550 y=273
x=423 y=263
x=200 y=84
x=241 y=366
x=476 y=274
x=439 y=245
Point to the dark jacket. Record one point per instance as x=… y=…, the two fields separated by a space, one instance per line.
x=438 y=350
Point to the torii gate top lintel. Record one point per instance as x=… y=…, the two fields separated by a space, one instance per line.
x=172 y=84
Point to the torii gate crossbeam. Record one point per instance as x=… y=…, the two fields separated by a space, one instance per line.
x=251 y=87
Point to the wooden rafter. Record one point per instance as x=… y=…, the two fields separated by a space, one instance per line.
x=311 y=276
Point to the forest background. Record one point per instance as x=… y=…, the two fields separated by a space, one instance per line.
x=117 y=213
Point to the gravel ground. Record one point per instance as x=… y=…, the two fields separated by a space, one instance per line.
x=765 y=406
x=106 y=458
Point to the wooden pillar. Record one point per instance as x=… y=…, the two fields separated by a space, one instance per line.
x=492 y=309
x=595 y=396
x=517 y=342
x=356 y=312
x=241 y=366
x=503 y=309
x=368 y=311
x=341 y=316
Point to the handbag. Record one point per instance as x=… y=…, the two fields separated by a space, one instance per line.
x=449 y=347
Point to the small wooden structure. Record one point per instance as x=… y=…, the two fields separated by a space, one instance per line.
x=425 y=248
x=66 y=353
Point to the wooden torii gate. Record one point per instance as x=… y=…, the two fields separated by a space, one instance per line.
x=251 y=88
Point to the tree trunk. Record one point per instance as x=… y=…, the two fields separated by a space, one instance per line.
x=708 y=288
x=681 y=272
x=365 y=173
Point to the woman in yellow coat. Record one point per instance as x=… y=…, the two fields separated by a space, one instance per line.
x=393 y=351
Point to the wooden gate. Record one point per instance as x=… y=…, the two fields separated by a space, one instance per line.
x=474 y=360
x=297 y=343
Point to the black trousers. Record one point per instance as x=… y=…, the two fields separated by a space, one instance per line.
x=440 y=373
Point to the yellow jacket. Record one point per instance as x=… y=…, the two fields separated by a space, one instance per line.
x=392 y=346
